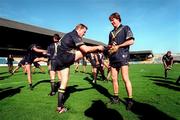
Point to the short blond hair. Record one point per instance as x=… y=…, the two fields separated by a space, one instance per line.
x=81 y=26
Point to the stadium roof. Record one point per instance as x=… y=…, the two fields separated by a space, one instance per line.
x=16 y=36
x=30 y=28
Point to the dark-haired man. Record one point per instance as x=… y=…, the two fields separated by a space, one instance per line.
x=167 y=60
x=30 y=57
x=52 y=53
x=120 y=39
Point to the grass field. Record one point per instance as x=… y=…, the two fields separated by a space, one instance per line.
x=154 y=97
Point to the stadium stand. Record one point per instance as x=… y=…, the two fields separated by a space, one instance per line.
x=16 y=37
x=137 y=57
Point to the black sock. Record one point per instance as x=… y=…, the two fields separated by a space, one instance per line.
x=60 y=97
x=52 y=87
x=30 y=85
x=116 y=97
x=129 y=99
x=58 y=84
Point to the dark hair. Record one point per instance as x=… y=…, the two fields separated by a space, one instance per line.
x=81 y=26
x=115 y=15
x=56 y=36
x=169 y=52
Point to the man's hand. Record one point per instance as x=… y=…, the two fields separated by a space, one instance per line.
x=44 y=52
x=113 y=49
x=169 y=67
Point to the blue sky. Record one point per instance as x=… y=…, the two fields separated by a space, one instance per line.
x=155 y=23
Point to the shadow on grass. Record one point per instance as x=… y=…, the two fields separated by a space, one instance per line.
x=9 y=92
x=5 y=77
x=39 y=73
x=3 y=73
x=5 y=89
x=99 y=111
x=88 y=73
x=167 y=84
x=72 y=89
x=149 y=112
x=99 y=77
x=160 y=81
x=39 y=82
x=99 y=88
x=178 y=80
x=159 y=77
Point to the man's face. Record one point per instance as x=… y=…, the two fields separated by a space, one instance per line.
x=169 y=54
x=115 y=22
x=55 y=40
x=81 y=32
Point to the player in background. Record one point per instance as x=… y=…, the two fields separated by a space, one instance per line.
x=10 y=60
x=30 y=57
x=167 y=60
x=53 y=67
x=20 y=64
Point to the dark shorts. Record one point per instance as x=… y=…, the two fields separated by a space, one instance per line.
x=54 y=65
x=29 y=59
x=168 y=63
x=93 y=62
x=22 y=62
x=119 y=64
x=65 y=60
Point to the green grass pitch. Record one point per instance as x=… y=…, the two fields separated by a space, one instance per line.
x=154 y=97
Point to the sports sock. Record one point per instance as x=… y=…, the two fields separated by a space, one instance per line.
x=129 y=99
x=58 y=83
x=116 y=95
x=52 y=86
x=30 y=85
x=60 y=97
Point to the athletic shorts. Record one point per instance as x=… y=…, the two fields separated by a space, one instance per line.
x=54 y=65
x=29 y=58
x=119 y=64
x=93 y=62
x=65 y=60
x=22 y=62
x=168 y=63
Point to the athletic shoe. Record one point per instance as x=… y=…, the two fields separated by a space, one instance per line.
x=115 y=100
x=129 y=104
x=51 y=93
x=94 y=81
x=61 y=109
